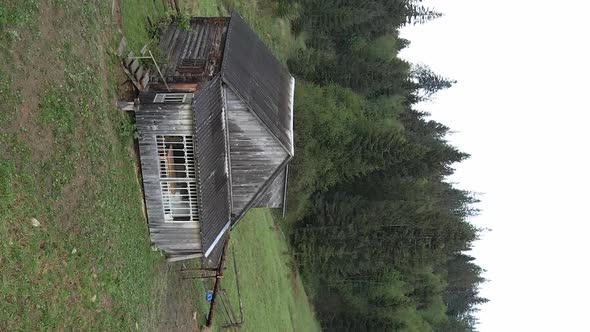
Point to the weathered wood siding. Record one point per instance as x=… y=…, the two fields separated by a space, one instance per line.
x=176 y=238
x=255 y=154
x=273 y=196
x=201 y=47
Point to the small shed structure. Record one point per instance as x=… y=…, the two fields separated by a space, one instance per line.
x=218 y=140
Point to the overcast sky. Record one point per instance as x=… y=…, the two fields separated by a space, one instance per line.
x=521 y=109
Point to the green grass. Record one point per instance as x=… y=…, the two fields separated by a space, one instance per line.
x=67 y=164
x=202 y=8
x=135 y=15
x=272 y=293
x=274 y=31
x=15 y=18
x=6 y=192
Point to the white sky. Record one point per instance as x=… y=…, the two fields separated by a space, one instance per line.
x=521 y=110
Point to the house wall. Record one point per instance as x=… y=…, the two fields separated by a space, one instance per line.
x=255 y=154
x=202 y=43
x=177 y=239
x=273 y=196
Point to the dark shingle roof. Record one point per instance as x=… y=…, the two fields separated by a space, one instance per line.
x=212 y=164
x=259 y=79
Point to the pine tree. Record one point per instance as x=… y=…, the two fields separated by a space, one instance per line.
x=428 y=82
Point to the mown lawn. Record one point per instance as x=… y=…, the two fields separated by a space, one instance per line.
x=74 y=246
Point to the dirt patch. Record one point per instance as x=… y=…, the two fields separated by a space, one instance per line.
x=294 y=283
x=106 y=302
x=105 y=92
x=117 y=13
x=33 y=79
x=71 y=196
x=48 y=17
x=179 y=303
x=73 y=300
x=40 y=137
x=72 y=191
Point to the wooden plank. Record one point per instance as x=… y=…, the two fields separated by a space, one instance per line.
x=132 y=78
x=122 y=47
x=182 y=258
x=133 y=66
x=145 y=79
x=129 y=59
x=126 y=106
x=139 y=73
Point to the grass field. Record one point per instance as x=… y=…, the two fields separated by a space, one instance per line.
x=73 y=244
x=74 y=247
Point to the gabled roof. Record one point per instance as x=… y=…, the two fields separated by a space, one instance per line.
x=212 y=164
x=259 y=79
x=267 y=88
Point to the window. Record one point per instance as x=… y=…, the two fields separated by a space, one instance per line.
x=170 y=97
x=177 y=157
x=179 y=199
x=177 y=177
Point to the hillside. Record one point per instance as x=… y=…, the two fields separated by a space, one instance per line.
x=74 y=246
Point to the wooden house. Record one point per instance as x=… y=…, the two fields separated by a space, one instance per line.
x=215 y=135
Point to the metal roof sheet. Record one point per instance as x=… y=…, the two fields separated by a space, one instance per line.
x=259 y=79
x=212 y=163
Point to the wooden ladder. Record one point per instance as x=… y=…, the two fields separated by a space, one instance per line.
x=135 y=71
x=139 y=76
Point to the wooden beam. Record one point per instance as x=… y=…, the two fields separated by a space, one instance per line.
x=126 y=106
x=182 y=258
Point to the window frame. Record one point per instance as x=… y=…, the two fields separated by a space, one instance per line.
x=191 y=211
x=167 y=182
x=173 y=97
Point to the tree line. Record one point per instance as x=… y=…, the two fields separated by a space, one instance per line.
x=380 y=235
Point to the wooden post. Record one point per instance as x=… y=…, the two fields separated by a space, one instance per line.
x=158 y=68
x=238 y=288
x=199 y=274
x=217 y=287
